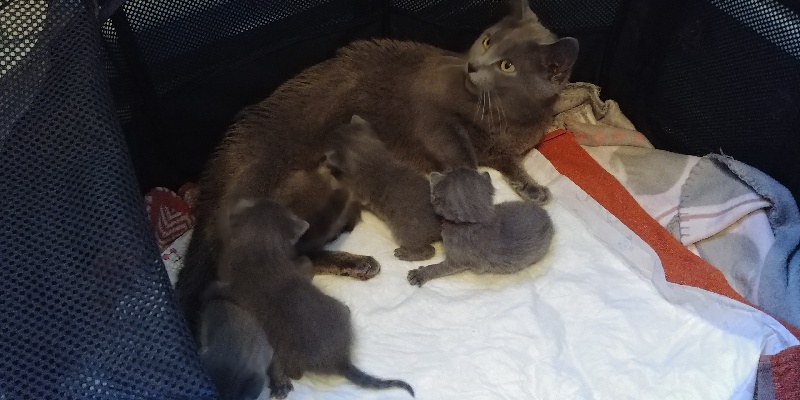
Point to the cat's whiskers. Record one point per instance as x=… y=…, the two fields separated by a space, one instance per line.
x=483 y=105
x=477 y=108
x=501 y=113
x=491 y=118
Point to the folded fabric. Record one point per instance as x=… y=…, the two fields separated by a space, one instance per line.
x=597 y=309
x=170 y=214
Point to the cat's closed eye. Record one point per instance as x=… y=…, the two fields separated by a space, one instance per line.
x=486 y=42
x=506 y=66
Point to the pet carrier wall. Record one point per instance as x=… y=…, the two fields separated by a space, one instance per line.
x=674 y=165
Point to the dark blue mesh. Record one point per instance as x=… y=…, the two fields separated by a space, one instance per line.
x=86 y=310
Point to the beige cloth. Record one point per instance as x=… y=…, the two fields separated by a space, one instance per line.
x=594 y=122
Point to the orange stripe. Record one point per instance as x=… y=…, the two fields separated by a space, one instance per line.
x=681 y=266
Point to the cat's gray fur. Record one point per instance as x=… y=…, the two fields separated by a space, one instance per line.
x=233 y=347
x=434 y=110
x=482 y=237
x=394 y=192
x=308 y=330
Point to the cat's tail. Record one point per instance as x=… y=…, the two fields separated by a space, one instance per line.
x=362 y=379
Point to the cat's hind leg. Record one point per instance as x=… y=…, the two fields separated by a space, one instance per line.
x=419 y=276
x=344 y=264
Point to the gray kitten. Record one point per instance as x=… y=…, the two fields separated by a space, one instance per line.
x=394 y=192
x=233 y=347
x=309 y=330
x=318 y=198
x=482 y=237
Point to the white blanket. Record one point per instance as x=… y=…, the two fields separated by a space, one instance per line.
x=594 y=320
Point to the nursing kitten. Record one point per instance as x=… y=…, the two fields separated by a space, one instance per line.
x=435 y=110
x=318 y=198
x=233 y=347
x=390 y=189
x=315 y=196
x=308 y=330
x=480 y=236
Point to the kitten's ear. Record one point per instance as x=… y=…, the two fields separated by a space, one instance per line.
x=488 y=179
x=298 y=226
x=521 y=10
x=334 y=160
x=560 y=57
x=435 y=178
x=241 y=205
x=358 y=120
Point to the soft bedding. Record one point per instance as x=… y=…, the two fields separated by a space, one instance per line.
x=732 y=215
x=597 y=318
x=645 y=294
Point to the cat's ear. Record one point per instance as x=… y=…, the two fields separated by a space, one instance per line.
x=298 y=228
x=521 y=10
x=435 y=178
x=487 y=177
x=559 y=58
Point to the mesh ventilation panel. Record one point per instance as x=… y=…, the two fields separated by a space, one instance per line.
x=196 y=63
x=730 y=83
x=86 y=309
x=558 y=15
x=179 y=40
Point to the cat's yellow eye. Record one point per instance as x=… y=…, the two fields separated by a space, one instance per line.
x=506 y=66
x=486 y=42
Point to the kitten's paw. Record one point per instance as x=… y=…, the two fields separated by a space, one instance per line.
x=416 y=277
x=414 y=253
x=536 y=193
x=280 y=390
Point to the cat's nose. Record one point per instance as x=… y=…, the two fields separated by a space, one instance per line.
x=471 y=67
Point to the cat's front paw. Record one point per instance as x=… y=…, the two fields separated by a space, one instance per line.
x=416 y=277
x=280 y=390
x=366 y=268
x=535 y=193
x=360 y=267
x=414 y=253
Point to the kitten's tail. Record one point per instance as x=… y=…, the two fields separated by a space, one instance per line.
x=361 y=378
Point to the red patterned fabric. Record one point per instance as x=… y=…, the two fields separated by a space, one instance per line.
x=170 y=215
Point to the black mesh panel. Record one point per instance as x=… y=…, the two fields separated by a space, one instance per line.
x=716 y=76
x=86 y=309
x=196 y=63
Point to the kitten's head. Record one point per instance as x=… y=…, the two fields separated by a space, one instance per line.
x=357 y=147
x=264 y=223
x=519 y=59
x=463 y=195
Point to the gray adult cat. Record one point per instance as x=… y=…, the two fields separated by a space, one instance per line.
x=308 y=330
x=482 y=237
x=233 y=347
x=435 y=110
x=397 y=194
